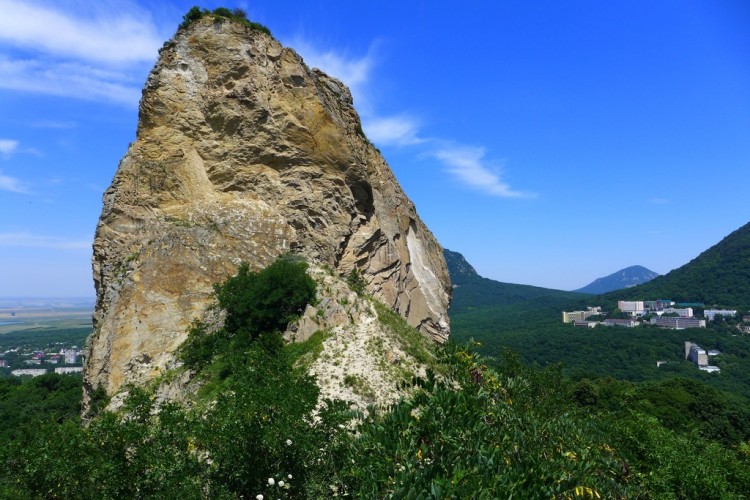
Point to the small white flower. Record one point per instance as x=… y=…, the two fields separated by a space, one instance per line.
x=281 y=484
x=289 y=476
x=258 y=497
x=289 y=442
x=271 y=481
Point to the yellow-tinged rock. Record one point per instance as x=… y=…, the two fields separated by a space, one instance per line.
x=244 y=153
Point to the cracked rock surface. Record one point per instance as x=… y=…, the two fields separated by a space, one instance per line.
x=243 y=153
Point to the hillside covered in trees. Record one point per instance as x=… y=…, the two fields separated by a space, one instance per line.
x=472 y=427
x=719 y=276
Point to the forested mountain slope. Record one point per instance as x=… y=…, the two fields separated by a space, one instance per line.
x=718 y=276
x=472 y=292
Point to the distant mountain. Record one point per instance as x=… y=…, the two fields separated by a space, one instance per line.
x=718 y=276
x=471 y=291
x=624 y=278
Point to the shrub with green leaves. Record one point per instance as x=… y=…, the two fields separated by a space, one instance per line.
x=196 y=13
x=484 y=440
x=266 y=301
x=356 y=281
x=258 y=306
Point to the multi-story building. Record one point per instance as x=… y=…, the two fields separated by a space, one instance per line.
x=586 y=324
x=658 y=305
x=685 y=312
x=34 y=372
x=699 y=356
x=630 y=323
x=710 y=314
x=634 y=307
x=678 y=323
x=572 y=316
x=696 y=353
x=68 y=369
x=71 y=356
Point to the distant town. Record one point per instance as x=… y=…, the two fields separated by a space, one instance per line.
x=662 y=314
x=33 y=363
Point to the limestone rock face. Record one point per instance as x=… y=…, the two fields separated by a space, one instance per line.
x=244 y=153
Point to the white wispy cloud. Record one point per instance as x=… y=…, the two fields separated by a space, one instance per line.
x=82 y=49
x=355 y=72
x=8 y=146
x=468 y=165
x=30 y=240
x=111 y=33
x=400 y=130
x=12 y=184
x=68 y=80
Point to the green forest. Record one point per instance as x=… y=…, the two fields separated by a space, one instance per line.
x=475 y=427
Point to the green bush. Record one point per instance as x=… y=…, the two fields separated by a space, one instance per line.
x=223 y=12
x=268 y=300
x=195 y=13
x=356 y=281
x=201 y=346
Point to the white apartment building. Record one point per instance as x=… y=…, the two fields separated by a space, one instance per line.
x=678 y=323
x=634 y=307
x=686 y=312
x=573 y=316
x=710 y=314
x=68 y=369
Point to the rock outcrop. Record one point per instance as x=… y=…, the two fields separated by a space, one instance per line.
x=244 y=153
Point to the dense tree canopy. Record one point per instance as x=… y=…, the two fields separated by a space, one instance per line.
x=483 y=429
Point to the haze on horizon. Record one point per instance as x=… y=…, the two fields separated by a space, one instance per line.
x=551 y=144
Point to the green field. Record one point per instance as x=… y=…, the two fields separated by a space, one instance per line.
x=41 y=318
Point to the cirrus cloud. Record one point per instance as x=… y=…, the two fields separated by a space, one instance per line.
x=400 y=130
x=8 y=146
x=113 y=34
x=12 y=184
x=468 y=165
x=88 y=50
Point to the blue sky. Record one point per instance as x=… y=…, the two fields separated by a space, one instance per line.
x=550 y=142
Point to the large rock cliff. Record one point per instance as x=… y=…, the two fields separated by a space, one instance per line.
x=244 y=153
